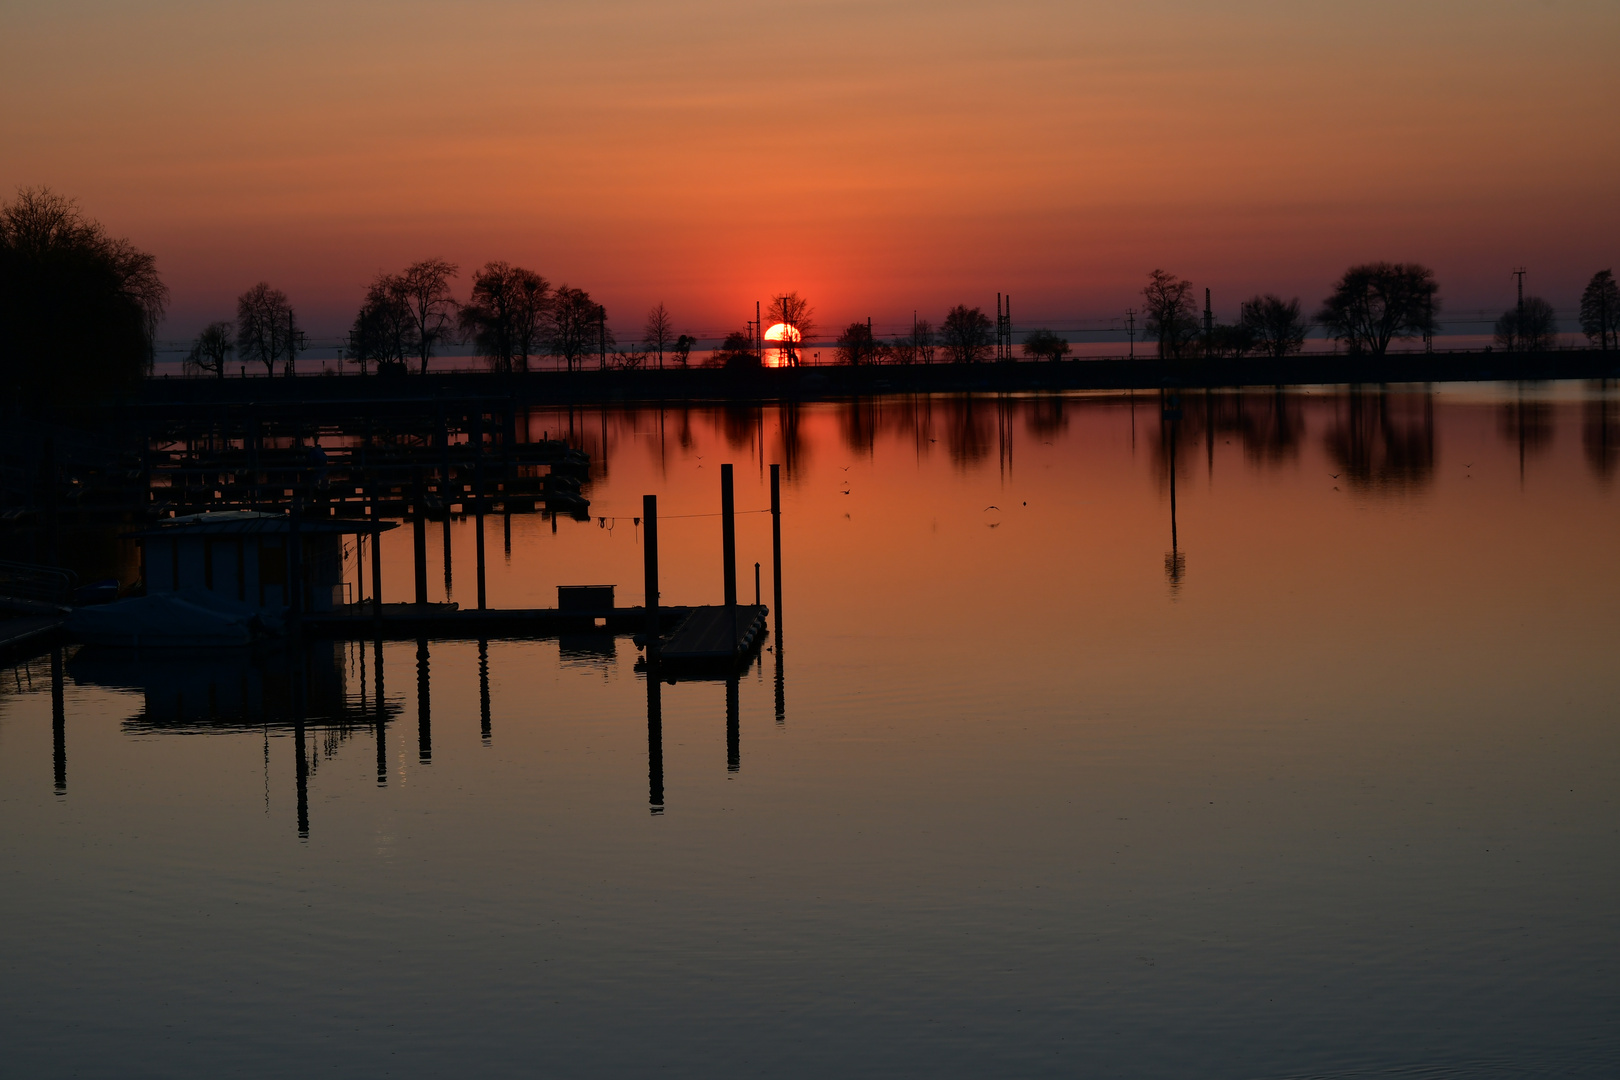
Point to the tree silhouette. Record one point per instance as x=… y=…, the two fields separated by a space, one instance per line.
x=212 y=348
x=683 y=349
x=794 y=312
x=856 y=344
x=658 y=331
x=384 y=328
x=1375 y=303
x=266 y=328
x=425 y=289
x=1528 y=327
x=965 y=334
x=505 y=314
x=737 y=351
x=1171 y=319
x=1045 y=345
x=1274 y=325
x=1229 y=342
x=574 y=327
x=79 y=309
x=1600 y=310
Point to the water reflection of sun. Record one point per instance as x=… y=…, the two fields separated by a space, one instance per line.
x=778 y=357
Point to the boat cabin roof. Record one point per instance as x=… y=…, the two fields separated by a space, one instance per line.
x=257 y=523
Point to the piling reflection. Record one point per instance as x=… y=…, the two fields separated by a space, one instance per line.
x=58 y=724
x=424 y=712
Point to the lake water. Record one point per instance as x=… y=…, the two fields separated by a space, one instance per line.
x=1319 y=779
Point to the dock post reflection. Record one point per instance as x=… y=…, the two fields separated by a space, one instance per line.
x=483 y=690
x=655 y=739
x=733 y=729
x=382 y=717
x=776 y=584
x=424 y=718
x=58 y=723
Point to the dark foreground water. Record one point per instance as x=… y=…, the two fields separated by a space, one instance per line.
x=1325 y=786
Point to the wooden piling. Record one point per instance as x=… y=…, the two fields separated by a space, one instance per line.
x=728 y=535
x=649 y=520
x=478 y=499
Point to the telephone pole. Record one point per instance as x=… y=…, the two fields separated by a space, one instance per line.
x=1130 y=329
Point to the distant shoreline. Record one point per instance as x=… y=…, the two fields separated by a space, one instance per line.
x=698 y=385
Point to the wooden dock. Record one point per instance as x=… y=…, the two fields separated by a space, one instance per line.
x=27 y=633
x=714 y=636
x=447 y=622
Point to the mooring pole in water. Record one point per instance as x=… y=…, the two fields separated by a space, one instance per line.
x=478 y=498
x=376 y=573
x=756 y=584
x=649 y=555
x=728 y=534
x=419 y=533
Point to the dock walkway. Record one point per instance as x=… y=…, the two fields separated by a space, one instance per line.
x=715 y=635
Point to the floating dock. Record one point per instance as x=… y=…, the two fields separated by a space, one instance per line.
x=714 y=637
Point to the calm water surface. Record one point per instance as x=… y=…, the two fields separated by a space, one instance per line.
x=1318 y=779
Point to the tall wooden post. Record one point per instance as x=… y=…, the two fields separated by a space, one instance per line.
x=376 y=573
x=728 y=535
x=649 y=519
x=478 y=497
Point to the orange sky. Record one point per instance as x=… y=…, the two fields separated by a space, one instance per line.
x=877 y=157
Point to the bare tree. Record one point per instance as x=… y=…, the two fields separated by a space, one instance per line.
x=794 y=312
x=1600 y=310
x=965 y=334
x=425 y=288
x=1531 y=326
x=1045 y=345
x=1171 y=318
x=658 y=331
x=574 y=326
x=683 y=349
x=78 y=309
x=266 y=328
x=212 y=349
x=922 y=341
x=1375 y=303
x=1275 y=325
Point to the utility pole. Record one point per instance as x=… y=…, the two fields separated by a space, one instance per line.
x=1518 y=326
x=1209 y=325
x=601 y=334
x=1130 y=329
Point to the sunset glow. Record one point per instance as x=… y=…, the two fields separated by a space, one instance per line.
x=903 y=157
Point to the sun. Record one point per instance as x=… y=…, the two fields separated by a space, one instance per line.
x=782 y=332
